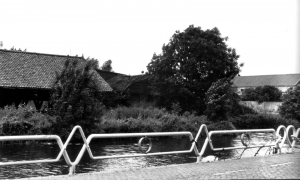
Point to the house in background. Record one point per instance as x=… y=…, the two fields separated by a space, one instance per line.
x=26 y=76
x=282 y=81
x=106 y=75
x=137 y=86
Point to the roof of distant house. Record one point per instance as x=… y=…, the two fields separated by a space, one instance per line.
x=19 y=69
x=106 y=75
x=122 y=82
x=279 y=80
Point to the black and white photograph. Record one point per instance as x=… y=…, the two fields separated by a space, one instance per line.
x=149 y=90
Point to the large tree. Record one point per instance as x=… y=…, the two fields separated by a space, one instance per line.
x=188 y=65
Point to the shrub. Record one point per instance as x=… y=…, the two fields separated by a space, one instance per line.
x=262 y=93
x=268 y=93
x=259 y=121
x=249 y=94
x=134 y=112
x=114 y=99
x=175 y=108
x=220 y=100
x=76 y=97
x=24 y=120
x=240 y=109
x=221 y=125
x=149 y=119
x=130 y=125
x=290 y=107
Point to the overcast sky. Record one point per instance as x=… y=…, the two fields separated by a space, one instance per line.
x=265 y=33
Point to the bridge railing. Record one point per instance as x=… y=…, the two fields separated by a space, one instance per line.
x=277 y=143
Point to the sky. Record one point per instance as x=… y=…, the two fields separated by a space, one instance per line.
x=265 y=33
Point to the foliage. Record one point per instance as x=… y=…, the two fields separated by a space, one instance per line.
x=135 y=112
x=76 y=97
x=221 y=125
x=106 y=66
x=290 y=107
x=262 y=93
x=240 y=109
x=113 y=99
x=175 y=108
x=188 y=65
x=220 y=100
x=249 y=94
x=15 y=49
x=260 y=121
x=138 y=119
x=268 y=93
x=24 y=120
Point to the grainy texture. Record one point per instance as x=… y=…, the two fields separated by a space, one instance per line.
x=35 y=70
x=284 y=166
x=272 y=80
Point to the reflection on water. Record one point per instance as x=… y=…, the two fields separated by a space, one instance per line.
x=109 y=147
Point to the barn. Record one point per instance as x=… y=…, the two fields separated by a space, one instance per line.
x=29 y=76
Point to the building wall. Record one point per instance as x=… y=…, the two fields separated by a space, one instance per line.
x=240 y=90
x=265 y=107
x=283 y=89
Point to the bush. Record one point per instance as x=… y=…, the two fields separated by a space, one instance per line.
x=149 y=119
x=221 y=125
x=134 y=112
x=114 y=99
x=249 y=94
x=240 y=109
x=76 y=97
x=290 y=107
x=24 y=120
x=259 y=121
x=220 y=100
x=262 y=93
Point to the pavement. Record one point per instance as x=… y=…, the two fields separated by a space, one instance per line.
x=279 y=166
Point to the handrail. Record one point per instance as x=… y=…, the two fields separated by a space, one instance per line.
x=278 y=144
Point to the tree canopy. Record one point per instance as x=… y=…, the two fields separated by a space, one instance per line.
x=188 y=65
x=106 y=66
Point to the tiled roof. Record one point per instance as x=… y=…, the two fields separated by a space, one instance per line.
x=272 y=80
x=122 y=82
x=106 y=75
x=34 y=70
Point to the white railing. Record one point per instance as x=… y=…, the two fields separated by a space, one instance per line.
x=278 y=143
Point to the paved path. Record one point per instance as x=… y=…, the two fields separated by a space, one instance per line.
x=284 y=166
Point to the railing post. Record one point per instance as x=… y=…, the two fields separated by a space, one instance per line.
x=72 y=170
x=198 y=159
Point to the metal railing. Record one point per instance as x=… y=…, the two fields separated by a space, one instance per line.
x=278 y=143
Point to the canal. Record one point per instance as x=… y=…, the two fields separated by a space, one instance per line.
x=50 y=150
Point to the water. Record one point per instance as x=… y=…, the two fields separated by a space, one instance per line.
x=116 y=147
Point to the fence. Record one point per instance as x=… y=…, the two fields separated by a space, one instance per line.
x=277 y=143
